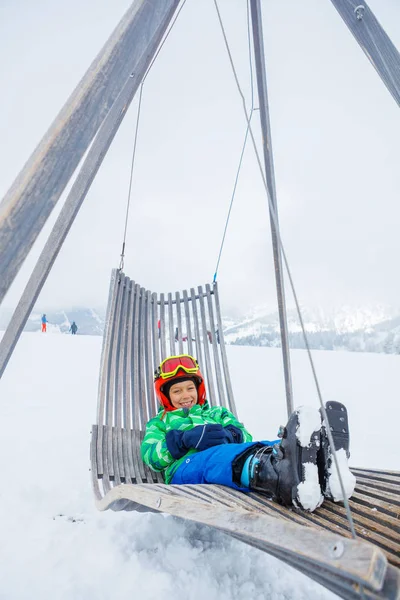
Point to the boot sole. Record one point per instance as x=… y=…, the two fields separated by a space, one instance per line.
x=300 y=445
x=339 y=426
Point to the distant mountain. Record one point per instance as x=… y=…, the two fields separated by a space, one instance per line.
x=358 y=329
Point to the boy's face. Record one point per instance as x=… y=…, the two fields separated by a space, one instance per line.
x=183 y=395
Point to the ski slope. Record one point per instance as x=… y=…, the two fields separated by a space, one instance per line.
x=54 y=544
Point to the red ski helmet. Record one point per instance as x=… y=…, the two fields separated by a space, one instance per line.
x=173 y=368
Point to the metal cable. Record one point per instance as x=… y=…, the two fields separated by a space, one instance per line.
x=244 y=144
x=121 y=264
x=279 y=239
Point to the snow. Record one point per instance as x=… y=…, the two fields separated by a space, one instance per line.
x=308 y=491
x=348 y=479
x=367 y=384
x=55 y=544
x=309 y=421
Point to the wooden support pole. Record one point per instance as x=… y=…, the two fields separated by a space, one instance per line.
x=374 y=41
x=30 y=200
x=256 y=18
x=90 y=167
x=345 y=562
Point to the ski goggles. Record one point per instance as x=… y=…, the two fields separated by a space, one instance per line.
x=171 y=365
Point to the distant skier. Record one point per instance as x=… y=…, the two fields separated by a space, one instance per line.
x=44 y=323
x=74 y=328
x=184 y=337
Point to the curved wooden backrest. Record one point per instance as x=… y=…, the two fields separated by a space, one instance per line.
x=142 y=328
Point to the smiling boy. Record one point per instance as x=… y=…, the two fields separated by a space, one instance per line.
x=191 y=442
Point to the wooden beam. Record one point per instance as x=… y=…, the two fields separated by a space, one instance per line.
x=354 y=561
x=31 y=198
x=374 y=41
x=258 y=41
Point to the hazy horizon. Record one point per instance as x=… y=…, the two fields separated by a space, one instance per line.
x=335 y=132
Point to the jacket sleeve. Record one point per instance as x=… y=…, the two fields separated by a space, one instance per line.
x=154 y=448
x=225 y=417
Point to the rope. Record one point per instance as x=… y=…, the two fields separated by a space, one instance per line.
x=244 y=143
x=281 y=246
x=121 y=264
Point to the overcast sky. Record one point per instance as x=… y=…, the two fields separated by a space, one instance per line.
x=335 y=128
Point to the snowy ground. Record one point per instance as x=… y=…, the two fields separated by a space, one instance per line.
x=54 y=544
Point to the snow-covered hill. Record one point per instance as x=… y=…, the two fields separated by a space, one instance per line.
x=54 y=544
x=360 y=329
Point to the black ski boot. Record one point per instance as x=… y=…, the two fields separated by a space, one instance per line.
x=328 y=476
x=288 y=472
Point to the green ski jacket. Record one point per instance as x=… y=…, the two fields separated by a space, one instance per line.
x=154 y=446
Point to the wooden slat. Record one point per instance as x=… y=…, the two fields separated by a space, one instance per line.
x=162 y=330
x=171 y=326
x=120 y=382
x=373 y=473
x=138 y=465
x=227 y=377
x=129 y=398
x=208 y=370
x=391 y=523
x=121 y=357
x=378 y=494
x=111 y=456
x=135 y=359
x=115 y=455
x=149 y=474
x=380 y=504
x=128 y=464
x=155 y=334
x=126 y=348
x=137 y=460
x=149 y=371
x=380 y=484
x=179 y=321
x=145 y=412
x=199 y=353
x=218 y=375
x=94 y=463
x=108 y=337
x=377 y=534
x=107 y=439
x=188 y=324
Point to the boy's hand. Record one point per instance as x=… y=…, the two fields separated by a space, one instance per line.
x=202 y=437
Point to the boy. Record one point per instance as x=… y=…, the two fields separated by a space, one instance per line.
x=192 y=442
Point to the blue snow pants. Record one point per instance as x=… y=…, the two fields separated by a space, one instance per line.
x=214 y=465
